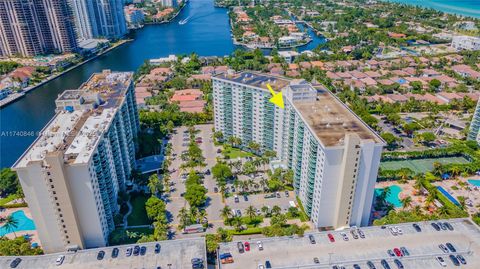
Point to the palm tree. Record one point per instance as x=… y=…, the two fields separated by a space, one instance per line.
x=265 y=210
x=226 y=212
x=254 y=146
x=417 y=210
x=442 y=211
x=11 y=224
x=154 y=184
x=276 y=210
x=243 y=184
x=406 y=202
x=183 y=218
x=251 y=212
x=264 y=183
x=418 y=183
x=237 y=223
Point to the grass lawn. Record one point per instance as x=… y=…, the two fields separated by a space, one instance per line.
x=234 y=153
x=420 y=165
x=8 y=199
x=139 y=214
x=120 y=237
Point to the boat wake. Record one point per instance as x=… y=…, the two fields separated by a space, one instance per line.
x=184 y=21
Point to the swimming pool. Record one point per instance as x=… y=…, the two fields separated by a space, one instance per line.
x=24 y=223
x=448 y=195
x=474 y=182
x=392 y=198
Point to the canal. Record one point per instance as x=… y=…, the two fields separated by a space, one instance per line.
x=206 y=33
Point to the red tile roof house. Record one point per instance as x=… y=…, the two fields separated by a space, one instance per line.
x=466 y=71
x=449 y=96
x=190 y=100
x=208 y=70
x=396 y=35
x=357 y=74
x=430 y=73
x=23 y=75
x=293 y=73
x=397 y=98
x=221 y=69
x=165 y=71
x=373 y=74
x=277 y=71
x=305 y=65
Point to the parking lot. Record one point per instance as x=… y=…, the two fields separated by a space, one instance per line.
x=259 y=200
x=295 y=252
x=176 y=253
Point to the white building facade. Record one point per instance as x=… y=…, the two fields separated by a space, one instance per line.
x=474 y=133
x=466 y=43
x=72 y=172
x=333 y=154
x=99 y=19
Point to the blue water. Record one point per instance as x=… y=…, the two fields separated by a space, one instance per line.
x=469 y=8
x=392 y=198
x=448 y=195
x=474 y=182
x=207 y=33
x=24 y=223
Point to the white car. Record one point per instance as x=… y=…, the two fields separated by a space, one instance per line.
x=260 y=266
x=60 y=260
x=260 y=245
x=393 y=230
x=344 y=236
x=441 y=261
x=399 y=231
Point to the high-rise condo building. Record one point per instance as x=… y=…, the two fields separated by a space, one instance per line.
x=72 y=172
x=32 y=27
x=168 y=3
x=334 y=155
x=99 y=18
x=474 y=133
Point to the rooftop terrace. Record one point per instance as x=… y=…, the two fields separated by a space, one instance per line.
x=75 y=133
x=256 y=80
x=331 y=119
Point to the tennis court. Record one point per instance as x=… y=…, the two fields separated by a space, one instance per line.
x=420 y=165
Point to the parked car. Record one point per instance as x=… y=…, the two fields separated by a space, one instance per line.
x=398 y=252
x=59 y=260
x=100 y=255
x=443 y=226
x=236 y=199
x=451 y=247
x=417 y=227
x=393 y=231
x=316 y=260
x=398 y=263
x=435 y=226
x=239 y=213
x=277 y=194
x=15 y=262
x=312 y=239
x=268 y=264
x=157 y=248
x=344 y=236
x=245 y=198
x=240 y=247
x=247 y=246
x=215 y=189
x=443 y=248
x=391 y=253
x=226 y=258
x=260 y=245
x=354 y=234
x=449 y=226
x=143 y=250
x=356 y=266
x=136 y=250
x=361 y=233
x=129 y=252
x=261 y=266
x=385 y=264
x=399 y=231
x=197 y=263
x=115 y=252
x=461 y=259
x=331 y=238
x=454 y=260
x=441 y=261
x=287 y=194
x=371 y=265
x=405 y=251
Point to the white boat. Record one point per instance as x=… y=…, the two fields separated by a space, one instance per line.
x=182 y=22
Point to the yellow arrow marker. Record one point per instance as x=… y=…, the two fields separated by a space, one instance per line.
x=277 y=98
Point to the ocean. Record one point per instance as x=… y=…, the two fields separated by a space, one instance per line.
x=469 y=8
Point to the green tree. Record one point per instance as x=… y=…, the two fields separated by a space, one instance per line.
x=195 y=195
x=251 y=212
x=154 y=184
x=406 y=202
x=9 y=183
x=155 y=208
x=10 y=224
x=17 y=247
